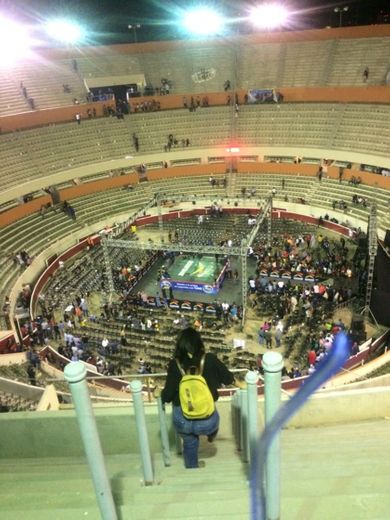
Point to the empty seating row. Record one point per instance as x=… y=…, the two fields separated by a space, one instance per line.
x=37 y=153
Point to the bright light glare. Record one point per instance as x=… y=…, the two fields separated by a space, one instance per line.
x=268 y=16
x=203 y=21
x=15 y=41
x=64 y=31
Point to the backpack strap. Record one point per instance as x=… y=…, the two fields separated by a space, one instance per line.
x=181 y=369
x=200 y=369
x=201 y=365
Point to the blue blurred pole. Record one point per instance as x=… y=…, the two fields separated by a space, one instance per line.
x=143 y=440
x=244 y=441
x=75 y=374
x=272 y=365
x=164 y=433
x=330 y=365
x=251 y=379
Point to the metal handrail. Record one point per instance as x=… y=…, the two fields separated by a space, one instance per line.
x=327 y=367
x=137 y=376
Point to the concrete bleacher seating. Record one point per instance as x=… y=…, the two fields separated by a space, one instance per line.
x=305 y=64
x=364 y=127
x=97 y=206
x=217 y=59
x=38 y=153
x=108 y=64
x=330 y=190
x=44 y=80
x=12 y=100
x=34 y=234
x=260 y=66
x=350 y=57
x=257 y=64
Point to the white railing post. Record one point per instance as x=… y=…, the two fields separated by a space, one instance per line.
x=146 y=458
x=75 y=373
x=244 y=440
x=251 y=380
x=272 y=365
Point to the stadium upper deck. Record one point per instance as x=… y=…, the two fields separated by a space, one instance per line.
x=313 y=58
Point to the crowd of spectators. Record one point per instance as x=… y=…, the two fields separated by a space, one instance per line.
x=302 y=317
x=307 y=254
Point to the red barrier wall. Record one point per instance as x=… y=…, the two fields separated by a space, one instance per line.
x=49 y=116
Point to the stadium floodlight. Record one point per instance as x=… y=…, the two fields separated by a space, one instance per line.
x=15 y=41
x=203 y=21
x=268 y=16
x=341 y=11
x=64 y=31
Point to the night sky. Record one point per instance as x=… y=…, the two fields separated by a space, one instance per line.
x=106 y=20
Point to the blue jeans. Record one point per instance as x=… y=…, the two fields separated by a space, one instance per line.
x=189 y=430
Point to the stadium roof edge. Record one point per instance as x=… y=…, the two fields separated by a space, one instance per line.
x=366 y=31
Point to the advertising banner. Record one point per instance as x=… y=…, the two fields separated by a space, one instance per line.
x=258 y=95
x=189 y=286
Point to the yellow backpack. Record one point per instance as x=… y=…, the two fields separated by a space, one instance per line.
x=196 y=400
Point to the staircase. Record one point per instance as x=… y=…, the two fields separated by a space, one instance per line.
x=61 y=489
x=333 y=472
x=337 y=124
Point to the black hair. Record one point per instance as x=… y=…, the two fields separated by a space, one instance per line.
x=189 y=346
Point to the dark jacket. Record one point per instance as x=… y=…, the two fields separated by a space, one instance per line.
x=215 y=373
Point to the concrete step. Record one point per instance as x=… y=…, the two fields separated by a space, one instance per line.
x=335 y=472
x=144 y=512
x=65 y=491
